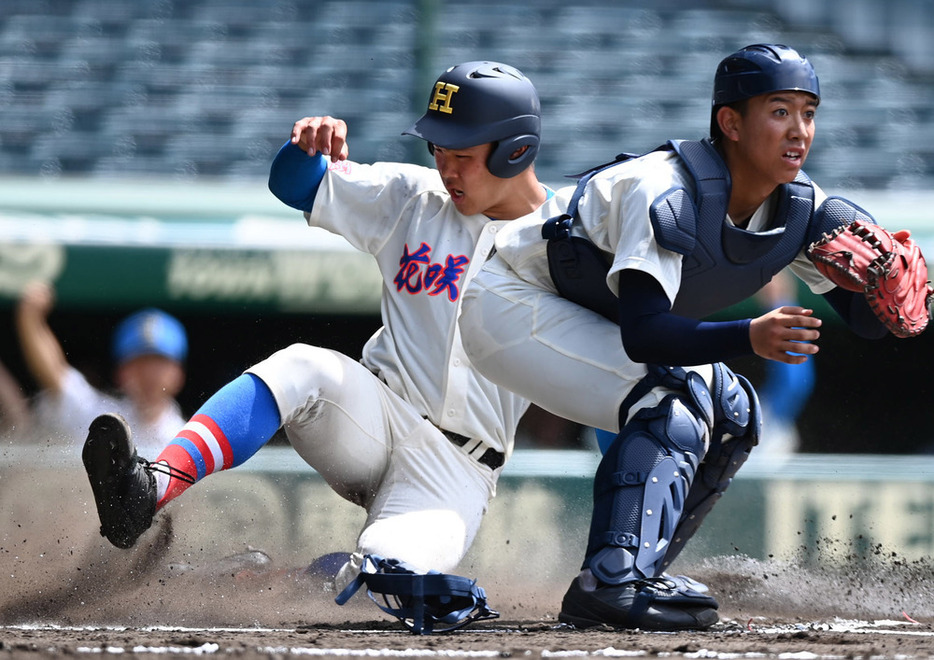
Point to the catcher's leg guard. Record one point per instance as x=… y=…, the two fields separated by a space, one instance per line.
x=737 y=426
x=644 y=478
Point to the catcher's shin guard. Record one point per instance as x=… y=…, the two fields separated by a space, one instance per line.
x=644 y=478
x=737 y=426
x=423 y=602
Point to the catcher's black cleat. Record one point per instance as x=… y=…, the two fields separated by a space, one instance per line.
x=650 y=604
x=123 y=485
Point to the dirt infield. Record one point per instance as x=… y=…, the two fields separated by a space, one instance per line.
x=191 y=587
x=138 y=603
x=510 y=639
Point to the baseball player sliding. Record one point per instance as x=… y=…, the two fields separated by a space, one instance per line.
x=412 y=432
x=671 y=237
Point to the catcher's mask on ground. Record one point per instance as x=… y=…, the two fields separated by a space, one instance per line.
x=423 y=602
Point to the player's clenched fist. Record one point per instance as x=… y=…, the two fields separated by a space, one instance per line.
x=325 y=135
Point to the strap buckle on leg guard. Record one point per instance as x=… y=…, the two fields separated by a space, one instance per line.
x=421 y=601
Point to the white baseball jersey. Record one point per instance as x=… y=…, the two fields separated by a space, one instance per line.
x=614 y=215
x=567 y=343
x=426 y=251
x=372 y=429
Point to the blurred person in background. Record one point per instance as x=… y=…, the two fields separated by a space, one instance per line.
x=15 y=416
x=149 y=349
x=786 y=387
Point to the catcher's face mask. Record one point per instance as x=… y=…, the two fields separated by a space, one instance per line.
x=423 y=602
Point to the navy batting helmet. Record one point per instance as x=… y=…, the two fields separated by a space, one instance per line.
x=479 y=102
x=760 y=69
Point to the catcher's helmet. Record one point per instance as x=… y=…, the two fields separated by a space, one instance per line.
x=479 y=102
x=760 y=69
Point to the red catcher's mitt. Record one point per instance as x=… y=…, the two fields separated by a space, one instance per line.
x=888 y=268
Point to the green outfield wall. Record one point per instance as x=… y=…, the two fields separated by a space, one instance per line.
x=216 y=246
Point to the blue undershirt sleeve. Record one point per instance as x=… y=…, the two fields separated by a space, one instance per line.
x=294 y=176
x=652 y=334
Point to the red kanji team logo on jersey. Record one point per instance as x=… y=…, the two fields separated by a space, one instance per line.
x=341 y=166
x=417 y=273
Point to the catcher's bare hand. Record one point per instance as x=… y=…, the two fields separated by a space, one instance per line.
x=325 y=135
x=783 y=331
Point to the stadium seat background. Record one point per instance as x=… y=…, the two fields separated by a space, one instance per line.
x=209 y=88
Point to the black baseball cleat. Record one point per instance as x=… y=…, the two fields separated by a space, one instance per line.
x=657 y=603
x=123 y=485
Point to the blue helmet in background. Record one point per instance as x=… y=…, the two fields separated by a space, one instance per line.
x=760 y=69
x=479 y=102
x=150 y=332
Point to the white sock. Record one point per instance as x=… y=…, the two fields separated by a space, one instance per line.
x=162 y=482
x=586 y=580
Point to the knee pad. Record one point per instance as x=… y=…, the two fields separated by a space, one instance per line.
x=642 y=483
x=423 y=602
x=736 y=430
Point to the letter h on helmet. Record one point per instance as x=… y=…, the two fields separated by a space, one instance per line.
x=479 y=102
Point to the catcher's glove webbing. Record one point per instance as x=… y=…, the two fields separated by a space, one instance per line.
x=421 y=601
x=888 y=268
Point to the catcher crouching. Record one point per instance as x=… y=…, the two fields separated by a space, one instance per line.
x=605 y=315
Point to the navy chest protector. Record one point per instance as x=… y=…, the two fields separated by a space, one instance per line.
x=722 y=264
